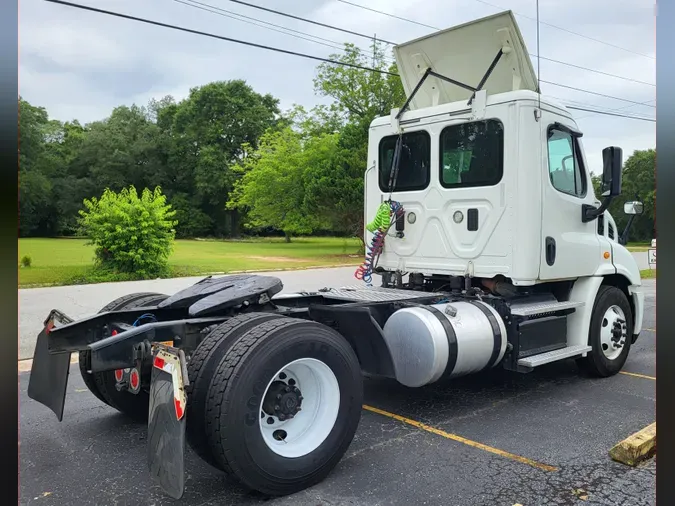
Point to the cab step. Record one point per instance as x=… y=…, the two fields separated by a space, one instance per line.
x=539 y=308
x=553 y=356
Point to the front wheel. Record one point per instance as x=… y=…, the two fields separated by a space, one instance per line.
x=284 y=405
x=609 y=334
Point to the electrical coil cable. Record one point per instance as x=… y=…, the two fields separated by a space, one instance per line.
x=385 y=218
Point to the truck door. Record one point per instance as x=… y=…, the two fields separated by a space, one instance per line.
x=569 y=247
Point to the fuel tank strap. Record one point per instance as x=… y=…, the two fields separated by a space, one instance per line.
x=496 y=332
x=452 y=339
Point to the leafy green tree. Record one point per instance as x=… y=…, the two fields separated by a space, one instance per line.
x=211 y=131
x=638 y=181
x=36 y=208
x=274 y=180
x=32 y=125
x=361 y=95
x=131 y=234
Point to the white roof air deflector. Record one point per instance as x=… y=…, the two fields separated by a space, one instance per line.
x=464 y=54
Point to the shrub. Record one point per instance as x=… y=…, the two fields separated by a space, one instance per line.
x=26 y=261
x=131 y=234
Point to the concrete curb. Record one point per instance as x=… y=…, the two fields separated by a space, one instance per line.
x=636 y=448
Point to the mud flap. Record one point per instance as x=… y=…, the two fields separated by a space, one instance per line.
x=49 y=372
x=166 y=420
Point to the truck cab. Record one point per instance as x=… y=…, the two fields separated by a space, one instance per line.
x=493 y=179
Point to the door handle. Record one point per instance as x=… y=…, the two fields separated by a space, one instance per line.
x=550 y=250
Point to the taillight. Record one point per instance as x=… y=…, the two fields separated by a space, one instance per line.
x=134 y=379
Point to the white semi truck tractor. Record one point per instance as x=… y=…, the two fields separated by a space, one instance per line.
x=490 y=247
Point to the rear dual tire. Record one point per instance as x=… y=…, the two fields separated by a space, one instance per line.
x=252 y=376
x=201 y=368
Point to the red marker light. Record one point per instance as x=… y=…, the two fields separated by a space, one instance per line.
x=119 y=374
x=134 y=379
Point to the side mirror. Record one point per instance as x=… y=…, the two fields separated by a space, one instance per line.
x=611 y=171
x=633 y=208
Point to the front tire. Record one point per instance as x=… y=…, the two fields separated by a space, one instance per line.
x=609 y=333
x=271 y=371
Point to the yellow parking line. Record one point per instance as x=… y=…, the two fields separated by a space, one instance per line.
x=638 y=375
x=461 y=439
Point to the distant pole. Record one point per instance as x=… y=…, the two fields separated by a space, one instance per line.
x=374 y=47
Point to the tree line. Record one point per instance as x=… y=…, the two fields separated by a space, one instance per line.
x=229 y=161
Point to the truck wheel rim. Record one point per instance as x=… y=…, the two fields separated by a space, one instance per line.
x=613 y=332
x=299 y=407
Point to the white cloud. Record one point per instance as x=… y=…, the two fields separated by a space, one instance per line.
x=80 y=64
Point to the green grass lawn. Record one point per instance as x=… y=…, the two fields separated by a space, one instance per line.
x=639 y=246
x=648 y=274
x=69 y=261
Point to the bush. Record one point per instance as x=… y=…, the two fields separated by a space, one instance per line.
x=131 y=234
x=26 y=261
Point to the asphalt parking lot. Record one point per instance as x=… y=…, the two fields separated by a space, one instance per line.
x=494 y=439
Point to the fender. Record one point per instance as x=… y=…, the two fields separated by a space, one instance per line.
x=578 y=323
x=625 y=267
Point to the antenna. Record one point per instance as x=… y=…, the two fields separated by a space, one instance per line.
x=538 y=63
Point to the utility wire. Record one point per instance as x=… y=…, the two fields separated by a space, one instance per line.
x=593 y=70
x=276 y=49
x=567 y=30
x=272 y=26
x=252 y=21
x=619 y=109
x=214 y=36
x=389 y=14
x=369 y=37
x=594 y=93
x=607 y=113
x=501 y=8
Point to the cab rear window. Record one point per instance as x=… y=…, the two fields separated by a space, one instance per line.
x=414 y=165
x=472 y=154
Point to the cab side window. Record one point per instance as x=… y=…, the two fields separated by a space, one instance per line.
x=564 y=164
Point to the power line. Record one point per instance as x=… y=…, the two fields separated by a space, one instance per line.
x=369 y=37
x=232 y=15
x=566 y=30
x=501 y=8
x=532 y=55
x=272 y=26
x=593 y=70
x=269 y=48
x=607 y=113
x=618 y=109
x=595 y=93
x=214 y=36
x=389 y=14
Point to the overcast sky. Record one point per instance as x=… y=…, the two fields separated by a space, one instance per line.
x=79 y=65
